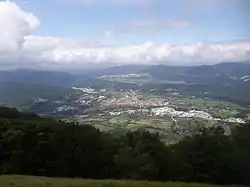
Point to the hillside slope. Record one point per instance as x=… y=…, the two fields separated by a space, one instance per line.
x=38 y=146
x=29 y=181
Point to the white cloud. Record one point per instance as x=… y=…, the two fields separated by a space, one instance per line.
x=110 y=33
x=15 y=24
x=19 y=49
x=158 y=24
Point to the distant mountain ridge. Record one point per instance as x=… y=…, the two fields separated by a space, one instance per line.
x=52 y=78
x=203 y=73
x=225 y=80
x=157 y=71
x=36 y=77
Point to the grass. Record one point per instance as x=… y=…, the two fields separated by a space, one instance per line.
x=123 y=123
x=29 y=181
x=225 y=114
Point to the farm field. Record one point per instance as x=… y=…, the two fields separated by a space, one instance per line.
x=168 y=131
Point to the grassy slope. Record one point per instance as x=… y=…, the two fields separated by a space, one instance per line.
x=28 y=181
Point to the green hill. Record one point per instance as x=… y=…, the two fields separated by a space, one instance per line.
x=32 y=145
x=16 y=94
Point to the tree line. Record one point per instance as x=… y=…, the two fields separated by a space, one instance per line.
x=33 y=145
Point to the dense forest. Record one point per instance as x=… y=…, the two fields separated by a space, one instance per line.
x=33 y=145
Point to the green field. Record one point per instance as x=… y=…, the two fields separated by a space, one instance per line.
x=28 y=181
x=120 y=125
x=108 y=123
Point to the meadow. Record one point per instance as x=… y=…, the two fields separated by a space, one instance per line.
x=32 y=181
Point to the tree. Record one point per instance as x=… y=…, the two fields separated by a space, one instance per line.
x=205 y=157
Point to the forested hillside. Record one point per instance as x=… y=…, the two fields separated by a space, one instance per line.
x=33 y=145
x=17 y=94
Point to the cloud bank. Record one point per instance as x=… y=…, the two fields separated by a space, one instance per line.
x=15 y=24
x=20 y=49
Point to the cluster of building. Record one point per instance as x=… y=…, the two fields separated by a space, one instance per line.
x=156 y=106
x=89 y=95
x=235 y=120
x=65 y=108
x=85 y=90
x=171 y=112
x=163 y=111
x=131 y=99
x=130 y=112
x=182 y=114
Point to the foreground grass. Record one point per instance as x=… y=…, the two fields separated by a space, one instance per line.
x=29 y=181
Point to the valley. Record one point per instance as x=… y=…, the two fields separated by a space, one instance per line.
x=115 y=93
x=172 y=101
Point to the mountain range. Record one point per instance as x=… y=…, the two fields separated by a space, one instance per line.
x=177 y=73
x=229 y=81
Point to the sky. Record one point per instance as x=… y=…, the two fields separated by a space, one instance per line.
x=80 y=34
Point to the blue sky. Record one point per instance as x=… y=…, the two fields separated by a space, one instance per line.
x=78 y=34
x=206 y=21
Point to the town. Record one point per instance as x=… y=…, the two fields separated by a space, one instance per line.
x=134 y=102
